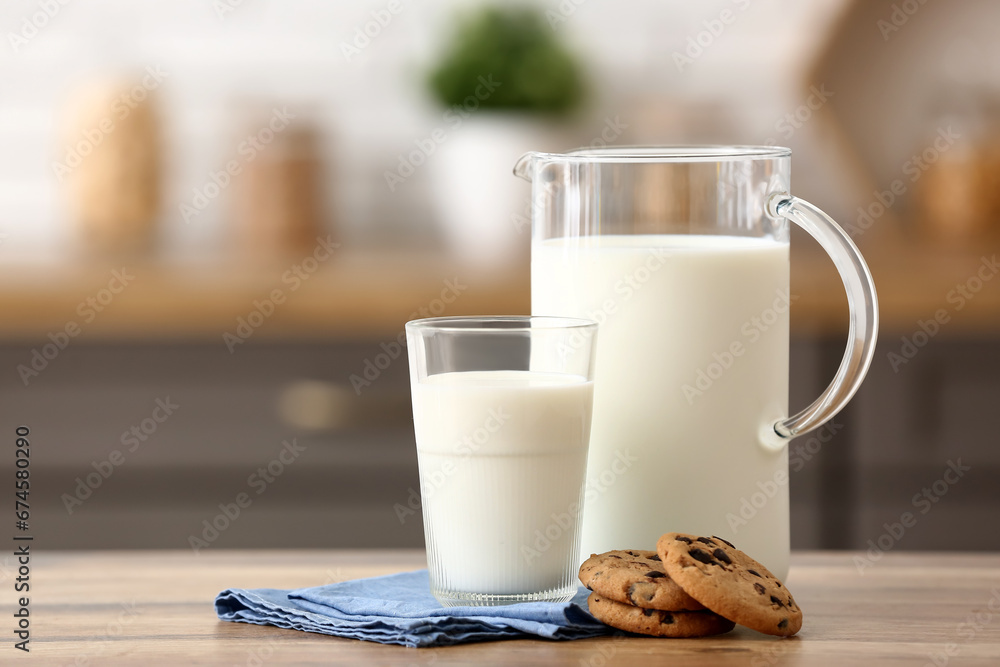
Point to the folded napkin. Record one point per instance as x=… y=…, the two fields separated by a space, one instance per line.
x=399 y=609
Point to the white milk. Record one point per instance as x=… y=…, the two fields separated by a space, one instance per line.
x=692 y=364
x=502 y=458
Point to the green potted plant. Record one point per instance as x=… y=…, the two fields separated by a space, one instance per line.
x=516 y=46
x=507 y=84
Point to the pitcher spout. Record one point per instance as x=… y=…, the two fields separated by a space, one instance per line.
x=525 y=164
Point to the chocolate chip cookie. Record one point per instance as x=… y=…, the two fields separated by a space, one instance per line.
x=655 y=622
x=730 y=583
x=637 y=578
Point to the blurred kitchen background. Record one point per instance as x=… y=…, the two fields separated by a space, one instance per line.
x=216 y=215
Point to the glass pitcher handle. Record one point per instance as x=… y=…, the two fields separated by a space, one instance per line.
x=862 y=304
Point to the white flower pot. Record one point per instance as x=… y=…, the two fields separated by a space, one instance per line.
x=483 y=208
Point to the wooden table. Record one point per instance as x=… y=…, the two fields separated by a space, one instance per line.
x=99 y=608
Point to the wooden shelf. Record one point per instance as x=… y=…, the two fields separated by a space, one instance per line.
x=352 y=296
x=360 y=295
x=913 y=282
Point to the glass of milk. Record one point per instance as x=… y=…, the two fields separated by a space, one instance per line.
x=681 y=254
x=501 y=412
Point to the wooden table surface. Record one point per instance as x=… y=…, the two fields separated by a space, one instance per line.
x=122 y=607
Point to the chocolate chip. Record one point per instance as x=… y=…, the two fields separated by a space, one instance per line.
x=631 y=553
x=783 y=624
x=700 y=556
x=776 y=601
x=614 y=556
x=723 y=556
x=648 y=612
x=666 y=619
x=777 y=583
x=759 y=588
x=655 y=557
x=653 y=574
x=754 y=573
x=631 y=591
x=727 y=542
x=705 y=540
x=590 y=589
x=685 y=540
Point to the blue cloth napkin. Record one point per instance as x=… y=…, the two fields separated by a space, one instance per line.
x=399 y=609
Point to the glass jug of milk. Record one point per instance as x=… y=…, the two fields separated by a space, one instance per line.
x=681 y=255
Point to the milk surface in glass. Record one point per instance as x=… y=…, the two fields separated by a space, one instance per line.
x=692 y=365
x=502 y=456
